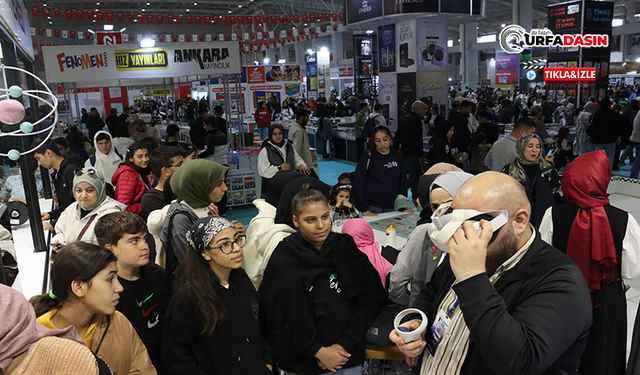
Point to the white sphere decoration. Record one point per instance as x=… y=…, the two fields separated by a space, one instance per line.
x=14 y=154
x=14 y=114
x=15 y=91
x=26 y=127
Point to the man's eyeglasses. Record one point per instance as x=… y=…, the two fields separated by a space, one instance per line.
x=90 y=172
x=227 y=247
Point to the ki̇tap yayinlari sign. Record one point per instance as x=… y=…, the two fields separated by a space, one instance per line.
x=514 y=39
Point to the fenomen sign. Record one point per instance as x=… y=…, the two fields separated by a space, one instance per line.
x=110 y=62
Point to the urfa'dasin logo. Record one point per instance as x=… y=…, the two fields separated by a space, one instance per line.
x=83 y=62
x=514 y=39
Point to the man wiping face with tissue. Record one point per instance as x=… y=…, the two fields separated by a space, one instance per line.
x=511 y=305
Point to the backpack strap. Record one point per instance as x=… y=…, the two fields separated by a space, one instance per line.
x=368 y=161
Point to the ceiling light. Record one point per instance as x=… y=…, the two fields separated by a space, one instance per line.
x=123 y=29
x=94 y=21
x=144 y=10
x=503 y=25
x=148 y=3
x=50 y=23
x=48 y=17
x=108 y=27
x=617 y=22
x=637 y=15
x=44 y=5
x=97 y=3
x=229 y=11
x=256 y=63
x=450 y=79
x=147 y=43
x=239 y=6
x=266 y=60
x=282 y=61
x=324 y=50
x=310 y=51
x=187 y=10
x=370 y=31
x=638 y=59
x=91 y=31
x=96 y=10
x=305 y=24
x=195 y=3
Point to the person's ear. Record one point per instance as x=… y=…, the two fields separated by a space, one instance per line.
x=79 y=288
x=419 y=204
x=206 y=256
x=295 y=221
x=114 y=249
x=521 y=221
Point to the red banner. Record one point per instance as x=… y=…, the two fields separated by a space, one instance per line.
x=35 y=11
x=240 y=20
x=87 y=35
x=160 y=19
x=327 y=17
x=198 y=20
x=216 y=19
x=120 y=16
x=132 y=37
x=68 y=14
x=56 y=33
x=46 y=12
x=170 y=18
x=214 y=37
x=140 y=18
x=334 y=17
x=223 y=20
x=174 y=38
x=189 y=20
x=296 y=18
x=201 y=37
x=131 y=17
x=100 y=16
x=232 y=20
x=72 y=34
x=320 y=17
x=258 y=19
x=265 y=19
x=274 y=19
x=207 y=20
x=161 y=38
x=287 y=18
x=179 y=19
x=312 y=18
x=40 y=31
x=150 y=18
x=79 y=14
x=90 y=14
x=281 y=18
x=227 y=37
x=188 y=37
x=109 y=16
x=341 y=17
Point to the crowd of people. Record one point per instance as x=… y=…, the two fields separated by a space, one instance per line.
x=148 y=276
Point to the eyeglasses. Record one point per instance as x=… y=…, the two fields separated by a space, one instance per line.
x=90 y=172
x=227 y=247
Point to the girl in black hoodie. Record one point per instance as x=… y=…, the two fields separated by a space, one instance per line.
x=211 y=324
x=444 y=149
x=319 y=294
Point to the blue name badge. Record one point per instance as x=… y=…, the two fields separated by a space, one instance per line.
x=438 y=330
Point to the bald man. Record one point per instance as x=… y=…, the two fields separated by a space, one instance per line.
x=512 y=306
x=408 y=140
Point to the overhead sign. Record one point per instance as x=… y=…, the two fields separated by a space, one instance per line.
x=108 y=37
x=105 y=62
x=16 y=18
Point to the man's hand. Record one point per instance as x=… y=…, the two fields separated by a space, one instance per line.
x=285 y=166
x=468 y=252
x=369 y=213
x=412 y=349
x=304 y=170
x=239 y=227
x=47 y=225
x=45 y=216
x=332 y=357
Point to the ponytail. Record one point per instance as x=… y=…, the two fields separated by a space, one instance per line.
x=78 y=261
x=308 y=195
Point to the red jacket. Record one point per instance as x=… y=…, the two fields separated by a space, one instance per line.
x=262 y=117
x=130 y=187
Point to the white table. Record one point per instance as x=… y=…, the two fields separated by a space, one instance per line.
x=380 y=235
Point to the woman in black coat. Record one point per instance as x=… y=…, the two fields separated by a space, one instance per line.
x=444 y=149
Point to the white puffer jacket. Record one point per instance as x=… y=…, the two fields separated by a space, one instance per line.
x=263 y=235
x=70 y=225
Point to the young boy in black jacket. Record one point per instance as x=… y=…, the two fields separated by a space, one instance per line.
x=146 y=293
x=48 y=155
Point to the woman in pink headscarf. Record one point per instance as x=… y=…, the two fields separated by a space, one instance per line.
x=362 y=234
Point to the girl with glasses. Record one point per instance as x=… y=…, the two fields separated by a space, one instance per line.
x=211 y=324
x=78 y=221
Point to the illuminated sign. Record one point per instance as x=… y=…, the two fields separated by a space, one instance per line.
x=142 y=59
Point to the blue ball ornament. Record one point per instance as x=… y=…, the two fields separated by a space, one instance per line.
x=26 y=127
x=14 y=154
x=15 y=91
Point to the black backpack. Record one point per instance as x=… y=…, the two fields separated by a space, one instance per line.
x=368 y=127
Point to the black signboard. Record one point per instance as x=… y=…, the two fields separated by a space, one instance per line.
x=455 y=6
x=411 y=6
x=598 y=15
x=565 y=18
x=362 y=10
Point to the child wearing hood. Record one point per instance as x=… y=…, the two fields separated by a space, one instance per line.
x=106 y=158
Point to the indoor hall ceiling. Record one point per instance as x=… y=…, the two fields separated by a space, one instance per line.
x=497 y=12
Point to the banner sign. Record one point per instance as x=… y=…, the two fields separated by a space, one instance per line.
x=432 y=44
x=88 y=63
x=387 y=47
x=16 y=17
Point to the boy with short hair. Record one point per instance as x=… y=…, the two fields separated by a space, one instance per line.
x=164 y=161
x=146 y=293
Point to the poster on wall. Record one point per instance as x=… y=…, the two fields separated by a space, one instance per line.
x=264 y=96
x=361 y=10
x=402 y=7
x=91 y=62
x=388 y=97
x=387 y=48
x=435 y=85
x=405 y=47
x=432 y=44
x=255 y=74
x=406 y=93
x=292 y=89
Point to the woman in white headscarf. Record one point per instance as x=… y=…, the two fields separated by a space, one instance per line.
x=106 y=158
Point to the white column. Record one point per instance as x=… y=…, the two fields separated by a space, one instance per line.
x=469 y=59
x=337 y=50
x=523 y=13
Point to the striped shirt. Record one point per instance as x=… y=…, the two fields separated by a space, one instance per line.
x=452 y=350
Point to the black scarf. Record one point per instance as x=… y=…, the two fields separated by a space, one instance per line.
x=283 y=212
x=424 y=194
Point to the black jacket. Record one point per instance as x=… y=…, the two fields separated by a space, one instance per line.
x=310 y=299
x=534 y=320
x=461 y=130
x=408 y=138
x=214 y=138
x=442 y=151
x=236 y=347
x=197 y=133
x=112 y=124
x=63 y=183
x=607 y=126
